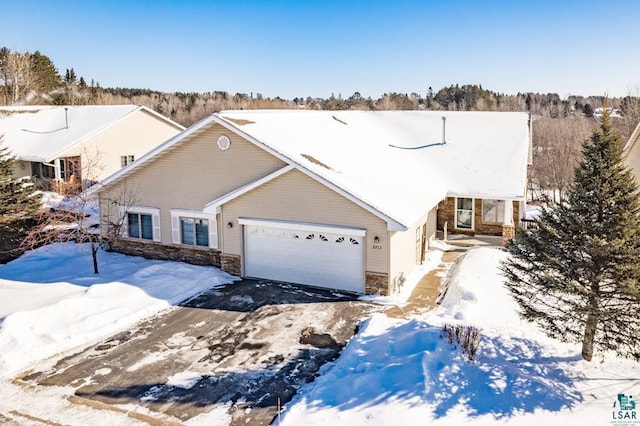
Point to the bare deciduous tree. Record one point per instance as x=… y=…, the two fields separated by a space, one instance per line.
x=18 y=73
x=77 y=218
x=631 y=113
x=556 y=150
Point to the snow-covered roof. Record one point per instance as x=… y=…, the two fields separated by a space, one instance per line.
x=43 y=133
x=362 y=153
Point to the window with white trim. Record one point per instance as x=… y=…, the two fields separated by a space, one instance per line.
x=140 y=226
x=194 y=228
x=493 y=211
x=464 y=213
x=125 y=160
x=194 y=232
x=142 y=223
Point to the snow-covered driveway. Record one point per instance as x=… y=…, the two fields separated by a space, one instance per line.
x=229 y=356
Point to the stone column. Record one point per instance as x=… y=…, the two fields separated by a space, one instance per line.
x=508 y=228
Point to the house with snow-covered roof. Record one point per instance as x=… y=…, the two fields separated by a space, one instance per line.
x=349 y=200
x=80 y=143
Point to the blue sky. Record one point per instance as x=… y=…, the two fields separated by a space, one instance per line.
x=316 y=48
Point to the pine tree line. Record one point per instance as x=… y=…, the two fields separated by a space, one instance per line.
x=32 y=78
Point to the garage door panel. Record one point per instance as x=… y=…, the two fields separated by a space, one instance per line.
x=315 y=258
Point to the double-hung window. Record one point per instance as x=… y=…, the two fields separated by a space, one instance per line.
x=493 y=211
x=142 y=223
x=125 y=160
x=140 y=226
x=194 y=232
x=194 y=228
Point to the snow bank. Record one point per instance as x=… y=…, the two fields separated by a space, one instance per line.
x=402 y=372
x=51 y=302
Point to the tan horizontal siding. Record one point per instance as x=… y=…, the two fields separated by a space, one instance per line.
x=196 y=173
x=404 y=256
x=297 y=197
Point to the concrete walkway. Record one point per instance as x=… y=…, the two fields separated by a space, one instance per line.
x=426 y=293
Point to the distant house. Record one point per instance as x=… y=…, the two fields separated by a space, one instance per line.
x=349 y=200
x=613 y=112
x=80 y=143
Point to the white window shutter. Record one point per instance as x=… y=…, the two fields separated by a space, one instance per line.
x=155 y=221
x=213 y=232
x=175 y=229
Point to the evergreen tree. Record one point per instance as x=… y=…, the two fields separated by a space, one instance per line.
x=578 y=274
x=17 y=198
x=44 y=73
x=587 y=110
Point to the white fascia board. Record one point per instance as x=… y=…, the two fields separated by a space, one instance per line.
x=303 y=226
x=486 y=197
x=392 y=224
x=214 y=206
x=161 y=117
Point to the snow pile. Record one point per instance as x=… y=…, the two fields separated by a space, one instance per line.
x=401 y=372
x=51 y=302
x=532 y=212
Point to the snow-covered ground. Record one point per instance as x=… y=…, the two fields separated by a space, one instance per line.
x=402 y=372
x=393 y=372
x=51 y=302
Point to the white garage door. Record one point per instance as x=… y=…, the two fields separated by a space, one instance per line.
x=317 y=255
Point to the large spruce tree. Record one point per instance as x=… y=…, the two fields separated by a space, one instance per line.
x=578 y=274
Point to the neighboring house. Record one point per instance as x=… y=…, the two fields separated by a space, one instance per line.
x=613 y=112
x=340 y=199
x=631 y=153
x=80 y=143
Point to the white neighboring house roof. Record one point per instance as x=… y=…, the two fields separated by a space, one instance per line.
x=357 y=154
x=41 y=133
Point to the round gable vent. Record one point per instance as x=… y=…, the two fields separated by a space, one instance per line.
x=224 y=143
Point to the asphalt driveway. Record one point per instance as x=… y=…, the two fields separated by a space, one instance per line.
x=244 y=348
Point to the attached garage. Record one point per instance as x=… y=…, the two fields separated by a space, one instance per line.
x=312 y=254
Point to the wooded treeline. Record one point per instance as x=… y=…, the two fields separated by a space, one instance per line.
x=32 y=78
x=560 y=125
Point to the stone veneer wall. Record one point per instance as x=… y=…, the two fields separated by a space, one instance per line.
x=230 y=263
x=376 y=283
x=154 y=250
x=446 y=213
x=508 y=232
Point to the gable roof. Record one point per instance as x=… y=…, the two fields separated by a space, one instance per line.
x=362 y=155
x=43 y=133
x=485 y=154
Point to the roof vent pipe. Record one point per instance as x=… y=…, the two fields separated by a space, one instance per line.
x=66 y=118
x=444 y=128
